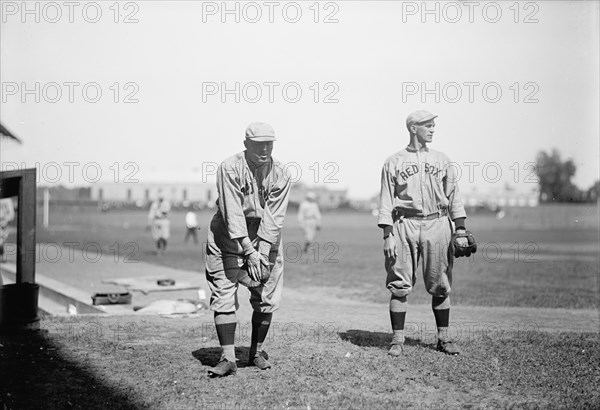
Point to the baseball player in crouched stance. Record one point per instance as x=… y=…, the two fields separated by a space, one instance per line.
x=419 y=198
x=244 y=241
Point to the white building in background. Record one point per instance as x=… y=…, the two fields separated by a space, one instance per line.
x=502 y=198
x=143 y=193
x=184 y=193
x=327 y=198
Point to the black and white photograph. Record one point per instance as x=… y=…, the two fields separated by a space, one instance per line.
x=299 y=205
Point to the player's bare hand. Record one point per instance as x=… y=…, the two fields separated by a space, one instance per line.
x=264 y=260
x=254 y=261
x=265 y=268
x=390 y=250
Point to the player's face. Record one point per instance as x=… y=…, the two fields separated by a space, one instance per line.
x=259 y=152
x=425 y=131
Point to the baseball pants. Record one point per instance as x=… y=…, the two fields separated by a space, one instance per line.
x=426 y=242
x=224 y=284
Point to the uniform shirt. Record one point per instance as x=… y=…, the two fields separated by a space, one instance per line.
x=159 y=210
x=191 y=221
x=419 y=182
x=307 y=211
x=252 y=202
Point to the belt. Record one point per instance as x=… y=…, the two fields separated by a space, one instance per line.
x=400 y=214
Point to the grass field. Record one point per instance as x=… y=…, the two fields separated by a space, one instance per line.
x=131 y=362
x=515 y=266
x=162 y=366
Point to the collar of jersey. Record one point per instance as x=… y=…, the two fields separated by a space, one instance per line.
x=424 y=149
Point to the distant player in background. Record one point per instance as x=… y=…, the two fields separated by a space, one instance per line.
x=7 y=215
x=309 y=218
x=158 y=219
x=191 y=223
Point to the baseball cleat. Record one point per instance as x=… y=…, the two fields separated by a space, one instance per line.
x=253 y=354
x=223 y=368
x=260 y=360
x=448 y=347
x=396 y=350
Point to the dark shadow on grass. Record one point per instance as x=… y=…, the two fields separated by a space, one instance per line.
x=210 y=356
x=147 y=252
x=377 y=339
x=35 y=374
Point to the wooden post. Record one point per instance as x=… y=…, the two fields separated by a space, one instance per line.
x=46 y=207
x=19 y=301
x=26 y=227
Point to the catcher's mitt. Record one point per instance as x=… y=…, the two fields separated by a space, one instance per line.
x=460 y=249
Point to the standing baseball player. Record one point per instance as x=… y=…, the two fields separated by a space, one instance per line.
x=191 y=226
x=245 y=237
x=419 y=199
x=309 y=218
x=158 y=219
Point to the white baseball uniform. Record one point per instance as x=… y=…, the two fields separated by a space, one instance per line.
x=419 y=191
x=309 y=218
x=159 y=219
x=252 y=202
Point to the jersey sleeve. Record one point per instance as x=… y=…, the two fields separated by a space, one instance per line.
x=386 y=196
x=452 y=192
x=275 y=208
x=230 y=201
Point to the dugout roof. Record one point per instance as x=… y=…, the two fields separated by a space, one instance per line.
x=4 y=133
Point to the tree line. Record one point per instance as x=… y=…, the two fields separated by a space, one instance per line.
x=555 y=175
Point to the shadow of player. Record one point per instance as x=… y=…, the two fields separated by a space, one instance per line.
x=381 y=340
x=210 y=356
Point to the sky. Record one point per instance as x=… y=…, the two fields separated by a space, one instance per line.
x=163 y=91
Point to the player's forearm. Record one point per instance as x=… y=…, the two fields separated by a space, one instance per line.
x=246 y=244
x=264 y=246
x=459 y=223
x=387 y=230
x=386 y=201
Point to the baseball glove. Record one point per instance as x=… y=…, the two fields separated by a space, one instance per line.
x=459 y=248
x=265 y=273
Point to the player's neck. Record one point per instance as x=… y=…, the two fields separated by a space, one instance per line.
x=416 y=145
x=255 y=165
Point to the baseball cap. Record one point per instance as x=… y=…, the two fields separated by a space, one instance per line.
x=260 y=131
x=419 y=117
